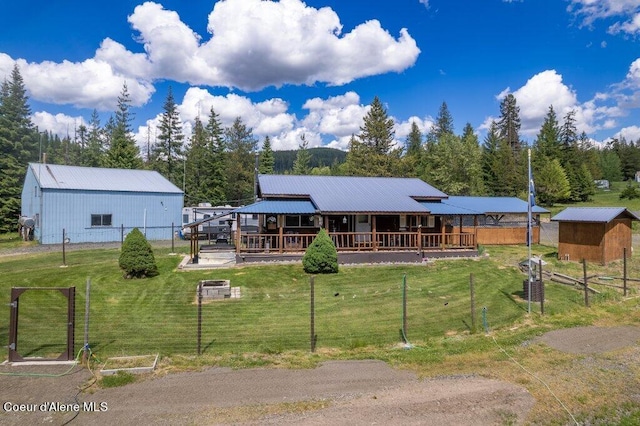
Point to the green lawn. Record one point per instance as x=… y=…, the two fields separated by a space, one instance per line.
x=358 y=307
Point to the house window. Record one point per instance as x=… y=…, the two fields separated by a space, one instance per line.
x=100 y=220
x=306 y=221
x=292 y=221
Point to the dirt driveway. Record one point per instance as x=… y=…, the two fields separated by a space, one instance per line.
x=337 y=392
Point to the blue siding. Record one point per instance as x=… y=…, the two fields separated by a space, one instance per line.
x=71 y=210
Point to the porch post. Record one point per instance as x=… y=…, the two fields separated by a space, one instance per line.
x=442 y=231
x=475 y=231
x=374 y=239
x=420 y=236
x=238 y=234
x=280 y=240
x=460 y=237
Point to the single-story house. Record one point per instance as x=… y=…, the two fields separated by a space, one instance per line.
x=597 y=234
x=373 y=215
x=98 y=204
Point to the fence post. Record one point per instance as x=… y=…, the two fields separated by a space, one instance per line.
x=86 y=320
x=172 y=238
x=312 y=314
x=624 y=270
x=473 y=303
x=404 y=309
x=586 y=285
x=121 y=235
x=541 y=287
x=64 y=243
x=199 y=316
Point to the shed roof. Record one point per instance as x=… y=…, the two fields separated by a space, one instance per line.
x=593 y=214
x=341 y=194
x=55 y=176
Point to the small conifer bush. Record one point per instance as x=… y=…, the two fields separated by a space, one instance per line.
x=321 y=256
x=136 y=258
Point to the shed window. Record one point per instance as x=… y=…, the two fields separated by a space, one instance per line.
x=100 y=220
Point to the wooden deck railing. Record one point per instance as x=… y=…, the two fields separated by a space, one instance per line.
x=357 y=241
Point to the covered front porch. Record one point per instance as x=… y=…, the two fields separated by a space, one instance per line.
x=293 y=233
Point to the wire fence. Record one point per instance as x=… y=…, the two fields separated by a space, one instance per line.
x=138 y=319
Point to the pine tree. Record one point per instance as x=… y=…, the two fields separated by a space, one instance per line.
x=489 y=152
x=266 y=158
x=123 y=153
x=205 y=164
x=547 y=144
x=95 y=139
x=414 y=152
x=444 y=123
x=241 y=162
x=471 y=162
x=18 y=142
x=168 y=152
x=374 y=153
x=303 y=158
x=509 y=123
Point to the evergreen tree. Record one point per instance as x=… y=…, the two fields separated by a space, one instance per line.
x=414 y=152
x=569 y=140
x=301 y=165
x=123 y=153
x=18 y=142
x=205 y=166
x=374 y=153
x=552 y=184
x=95 y=138
x=168 y=153
x=241 y=162
x=266 y=158
x=489 y=152
x=547 y=144
x=610 y=165
x=216 y=160
x=471 y=162
x=508 y=124
x=444 y=122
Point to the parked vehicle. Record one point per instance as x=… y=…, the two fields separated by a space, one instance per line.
x=221 y=224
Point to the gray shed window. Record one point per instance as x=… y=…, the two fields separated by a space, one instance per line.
x=100 y=220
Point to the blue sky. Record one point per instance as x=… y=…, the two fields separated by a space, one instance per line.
x=290 y=68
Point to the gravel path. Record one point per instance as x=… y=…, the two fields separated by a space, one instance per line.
x=336 y=392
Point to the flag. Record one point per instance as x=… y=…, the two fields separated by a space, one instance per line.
x=532 y=189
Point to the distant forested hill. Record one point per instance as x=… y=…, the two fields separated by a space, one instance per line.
x=319 y=157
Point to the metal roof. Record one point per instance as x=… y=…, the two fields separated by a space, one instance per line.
x=593 y=214
x=342 y=194
x=447 y=209
x=279 y=207
x=55 y=176
x=494 y=205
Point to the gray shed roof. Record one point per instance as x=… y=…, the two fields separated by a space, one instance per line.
x=593 y=214
x=341 y=194
x=55 y=176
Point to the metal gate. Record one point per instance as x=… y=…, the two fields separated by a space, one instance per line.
x=16 y=292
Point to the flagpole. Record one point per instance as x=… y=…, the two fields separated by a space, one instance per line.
x=529 y=203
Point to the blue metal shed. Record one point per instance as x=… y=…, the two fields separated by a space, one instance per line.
x=99 y=204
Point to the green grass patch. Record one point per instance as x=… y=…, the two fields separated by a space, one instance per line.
x=121 y=378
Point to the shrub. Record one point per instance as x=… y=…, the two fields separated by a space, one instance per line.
x=321 y=256
x=136 y=259
x=631 y=192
